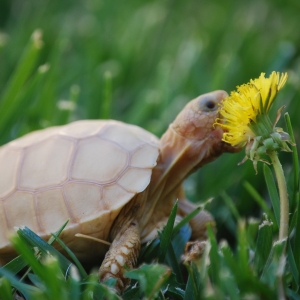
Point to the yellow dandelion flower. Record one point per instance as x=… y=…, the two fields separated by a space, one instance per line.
x=242 y=112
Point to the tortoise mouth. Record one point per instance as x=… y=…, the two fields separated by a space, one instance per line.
x=225 y=147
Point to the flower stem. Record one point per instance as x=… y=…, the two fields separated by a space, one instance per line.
x=283 y=195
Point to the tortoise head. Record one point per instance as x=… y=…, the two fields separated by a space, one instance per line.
x=196 y=123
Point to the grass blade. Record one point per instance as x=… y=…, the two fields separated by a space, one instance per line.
x=243 y=255
x=272 y=192
x=54 y=279
x=214 y=257
x=72 y=255
x=295 y=161
x=149 y=252
x=293 y=265
x=166 y=235
x=186 y=219
x=190 y=216
x=270 y=269
x=172 y=289
x=35 y=241
x=25 y=289
x=96 y=291
x=107 y=96
x=230 y=204
x=5 y=289
x=294 y=257
x=192 y=290
x=230 y=260
x=180 y=239
x=229 y=285
x=263 y=244
x=18 y=263
x=171 y=260
x=150 y=277
x=261 y=202
x=25 y=66
x=252 y=230
x=66 y=108
x=27 y=253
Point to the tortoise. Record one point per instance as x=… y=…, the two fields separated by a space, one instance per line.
x=114 y=181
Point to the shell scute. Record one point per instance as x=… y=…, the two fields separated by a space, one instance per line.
x=84 y=200
x=135 y=179
x=33 y=138
x=143 y=157
x=45 y=164
x=19 y=210
x=10 y=159
x=4 y=230
x=51 y=205
x=82 y=129
x=115 y=197
x=103 y=161
x=97 y=227
x=119 y=134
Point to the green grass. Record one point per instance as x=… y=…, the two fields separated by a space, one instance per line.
x=140 y=62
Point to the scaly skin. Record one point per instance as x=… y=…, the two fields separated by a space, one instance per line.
x=124 y=251
x=190 y=142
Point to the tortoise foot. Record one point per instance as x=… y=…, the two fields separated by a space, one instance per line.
x=122 y=255
x=193 y=251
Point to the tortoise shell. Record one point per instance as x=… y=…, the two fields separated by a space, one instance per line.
x=85 y=171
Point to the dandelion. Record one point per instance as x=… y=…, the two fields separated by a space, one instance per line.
x=245 y=120
x=246 y=110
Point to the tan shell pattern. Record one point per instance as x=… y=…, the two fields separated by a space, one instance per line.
x=85 y=171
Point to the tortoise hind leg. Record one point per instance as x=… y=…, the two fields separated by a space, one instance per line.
x=196 y=246
x=200 y=222
x=123 y=253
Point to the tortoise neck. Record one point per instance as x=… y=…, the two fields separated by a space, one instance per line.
x=179 y=156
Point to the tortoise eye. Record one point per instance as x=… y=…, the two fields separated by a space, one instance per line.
x=210 y=104
x=207 y=105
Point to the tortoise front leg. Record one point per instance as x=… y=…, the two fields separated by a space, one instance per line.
x=123 y=253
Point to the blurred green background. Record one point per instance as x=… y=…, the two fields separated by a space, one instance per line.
x=140 y=62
